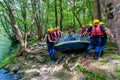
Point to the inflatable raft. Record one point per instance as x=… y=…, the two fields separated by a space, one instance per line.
x=72 y=43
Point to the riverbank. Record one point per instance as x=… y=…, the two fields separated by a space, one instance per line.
x=7 y=55
x=38 y=66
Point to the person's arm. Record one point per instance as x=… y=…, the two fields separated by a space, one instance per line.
x=61 y=34
x=84 y=33
x=45 y=38
x=109 y=33
x=50 y=39
x=87 y=31
x=55 y=37
x=106 y=31
x=55 y=34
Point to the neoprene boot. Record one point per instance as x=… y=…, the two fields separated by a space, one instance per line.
x=85 y=54
x=95 y=56
x=101 y=54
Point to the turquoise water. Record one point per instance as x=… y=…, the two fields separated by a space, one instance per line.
x=5 y=76
x=6 y=50
x=4 y=47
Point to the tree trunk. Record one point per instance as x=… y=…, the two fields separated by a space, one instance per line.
x=47 y=16
x=37 y=21
x=74 y=12
x=67 y=15
x=103 y=8
x=56 y=16
x=77 y=18
x=15 y=26
x=24 y=15
x=97 y=10
x=61 y=15
x=6 y=28
x=113 y=14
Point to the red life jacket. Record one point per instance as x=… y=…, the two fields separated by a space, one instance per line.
x=52 y=36
x=58 y=33
x=96 y=31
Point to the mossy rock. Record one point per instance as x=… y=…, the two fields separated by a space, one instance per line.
x=40 y=59
x=63 y=76
x=66 y=67
x=114 y=56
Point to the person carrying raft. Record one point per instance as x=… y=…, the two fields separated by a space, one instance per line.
x=104 y=39
x=96 y=32
x=58 y=33
x=51 y=39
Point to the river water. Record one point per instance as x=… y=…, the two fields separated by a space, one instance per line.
x=5 y=51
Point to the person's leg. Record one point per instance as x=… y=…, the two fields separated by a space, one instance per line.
x=97 y=48
x=89 y=47
x=102 y=51
x=48 y=46
x=96 y=54
x=104 y=41
x=52 y=54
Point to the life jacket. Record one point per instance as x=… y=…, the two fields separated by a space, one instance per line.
x=52 y=36
x=58 y=33
x=96 y=31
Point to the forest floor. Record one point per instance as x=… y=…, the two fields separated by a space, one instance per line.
x=69 y=66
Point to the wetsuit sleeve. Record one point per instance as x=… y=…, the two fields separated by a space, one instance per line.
x=102 y=28
x=89 y=29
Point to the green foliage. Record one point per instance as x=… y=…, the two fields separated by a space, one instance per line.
x=74 y=59
x=66 y=67
x=8 y=60
x=111 y=48
x=24 y=16
x=118 y=69
x=80 y=68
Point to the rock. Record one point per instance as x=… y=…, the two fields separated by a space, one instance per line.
x=34 y=79
x=37 y=47
x=31 y=57
x=33 y=66
x=40 y=59
x=35 y=44
x=21 y=72
x=32 y=73
x=7 y=66
x=17 y=76
x=115 y=61
x=58 y=68
x=43 y=44
x=31 y=48
x=12 y=73
x=14 y=69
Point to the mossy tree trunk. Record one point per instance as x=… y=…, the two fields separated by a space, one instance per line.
x=36 y=17
x=56 y=14
x=113 y=15
x=97 y=10
x=11 y=13
x=61 y=14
